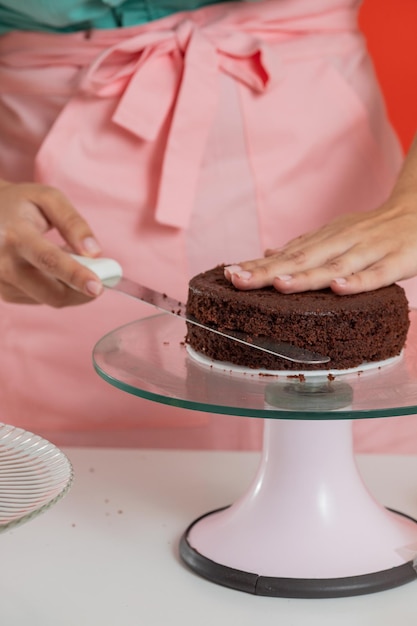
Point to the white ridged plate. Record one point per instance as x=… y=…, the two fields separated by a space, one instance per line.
x=34 y=474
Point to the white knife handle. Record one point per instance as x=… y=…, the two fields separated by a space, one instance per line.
x=106 y=269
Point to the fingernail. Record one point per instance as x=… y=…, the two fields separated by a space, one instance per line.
x=93 y=287
x=286 y=278
x=236 y=270
x=244 y=274
x=232 y=269
x=91 y=246
x=340 y=281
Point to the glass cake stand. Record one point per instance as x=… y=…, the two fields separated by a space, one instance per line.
x=307 y=525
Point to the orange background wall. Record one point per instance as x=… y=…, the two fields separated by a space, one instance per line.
x=390 y=27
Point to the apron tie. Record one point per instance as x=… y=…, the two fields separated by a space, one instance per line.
x=159 y=83
x=171 y=77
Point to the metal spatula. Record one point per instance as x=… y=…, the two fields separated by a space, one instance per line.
x=110 y=273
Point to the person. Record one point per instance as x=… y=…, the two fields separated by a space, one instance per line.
x=171 y=136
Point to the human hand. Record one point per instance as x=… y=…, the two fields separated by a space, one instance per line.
x=33 y=270
x=354 y=253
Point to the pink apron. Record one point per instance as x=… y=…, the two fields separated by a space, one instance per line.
x=201 y=138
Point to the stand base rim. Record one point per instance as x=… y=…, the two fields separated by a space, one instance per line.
x=281 y=587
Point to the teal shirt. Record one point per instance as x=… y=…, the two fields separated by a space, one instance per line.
x=72 y=15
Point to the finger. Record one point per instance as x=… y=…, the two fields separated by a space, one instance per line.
x=38 y=288
x=52 y=262
x=371 y=278
x=362 y=269
x=310 y=269
x=246 y=279
x=358 y=259
x=261 y=272
x=287 y=263
x=391 y=269
x=61 y=214
x=289 y=272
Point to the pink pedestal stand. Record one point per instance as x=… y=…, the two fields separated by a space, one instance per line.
x=307 y=526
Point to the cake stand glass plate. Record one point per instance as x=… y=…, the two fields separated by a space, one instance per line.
x=307 y=526
x=34 y=475
x=149 y=358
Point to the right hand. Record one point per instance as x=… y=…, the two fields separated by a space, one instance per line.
x=33 y=270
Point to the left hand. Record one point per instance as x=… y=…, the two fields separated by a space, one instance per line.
x=353 y=253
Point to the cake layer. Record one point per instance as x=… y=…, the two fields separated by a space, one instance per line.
x=350 y=329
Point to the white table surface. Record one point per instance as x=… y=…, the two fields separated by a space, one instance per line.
x=107 y=554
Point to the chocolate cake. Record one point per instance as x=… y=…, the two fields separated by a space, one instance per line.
x=351 y=330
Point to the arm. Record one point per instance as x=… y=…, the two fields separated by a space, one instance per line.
x=33 y=270
x=356 y=252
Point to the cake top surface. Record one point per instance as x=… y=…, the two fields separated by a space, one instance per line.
x=213 y=284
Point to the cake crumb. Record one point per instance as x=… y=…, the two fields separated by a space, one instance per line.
x=300 y=377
